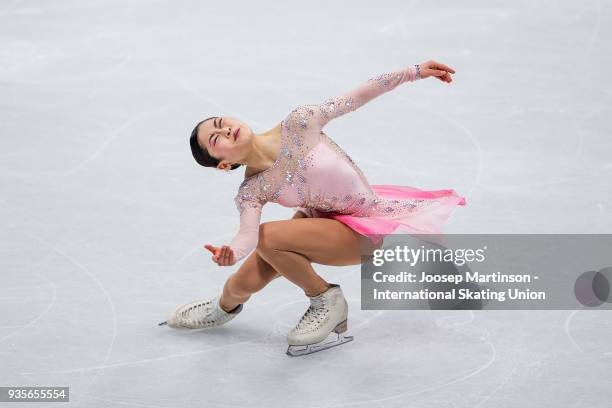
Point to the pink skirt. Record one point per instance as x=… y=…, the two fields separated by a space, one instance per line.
x=428 y=219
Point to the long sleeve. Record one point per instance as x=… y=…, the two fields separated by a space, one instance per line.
x=250 y=215
x=354 y=99
x=249 y=202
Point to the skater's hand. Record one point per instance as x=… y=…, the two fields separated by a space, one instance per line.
x=223 y=256
x=438 y=70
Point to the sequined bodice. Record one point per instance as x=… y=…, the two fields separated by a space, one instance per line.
x=312 y=171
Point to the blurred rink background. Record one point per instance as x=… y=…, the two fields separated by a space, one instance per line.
x=105 y=213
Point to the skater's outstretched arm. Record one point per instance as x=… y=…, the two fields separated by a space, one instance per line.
x=243 y=243
x=249 y=204
x=246 y=239
x=359 y=96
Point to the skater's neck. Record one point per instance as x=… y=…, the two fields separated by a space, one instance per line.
x=265 y=149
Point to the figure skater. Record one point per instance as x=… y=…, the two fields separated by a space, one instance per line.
x=340 y=217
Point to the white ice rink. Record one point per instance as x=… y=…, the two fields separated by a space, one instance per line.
x=105 y=213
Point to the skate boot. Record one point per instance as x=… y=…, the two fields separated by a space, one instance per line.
x=200 y=314
x=322 y=326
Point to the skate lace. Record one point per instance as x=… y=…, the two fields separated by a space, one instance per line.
x=314 y=315
x=196 y=314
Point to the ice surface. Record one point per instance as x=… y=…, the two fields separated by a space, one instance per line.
x=104 y=212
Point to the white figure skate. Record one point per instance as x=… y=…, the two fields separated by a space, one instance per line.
x=200 y=314
x=322 y=326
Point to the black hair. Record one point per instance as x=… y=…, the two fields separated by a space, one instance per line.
x=201 y=154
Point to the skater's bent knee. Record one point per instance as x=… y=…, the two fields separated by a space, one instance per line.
x=270 y=236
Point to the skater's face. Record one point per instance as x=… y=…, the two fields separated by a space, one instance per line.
x=226 y=139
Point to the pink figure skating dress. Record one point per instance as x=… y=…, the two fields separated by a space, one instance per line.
x=315 y=176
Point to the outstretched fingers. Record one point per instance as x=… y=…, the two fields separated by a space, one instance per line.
x=440 y=71
x=443 y=67
x=225 y=255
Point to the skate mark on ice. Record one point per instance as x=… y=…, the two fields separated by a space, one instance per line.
x=440 y=322
x=53 y=178
x=595 y=33
x=365 y=322
x=499 y=387
x=568 y=333
x=106 y=295
x=75 y=78
x=116 y=133
x=130 y=404
x=400 y=25
x=44 y=312
x=465 y=130
x=8 y=10
x=275 y=300
x=432 y=388
x=508 y=376
x=138 y=362
x=176 y=404
x=190 y=88
x=82 y=46
x=187 y=254
x=587 y=51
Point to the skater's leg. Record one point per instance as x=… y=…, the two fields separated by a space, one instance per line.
x=290 y=246
x=252 y=276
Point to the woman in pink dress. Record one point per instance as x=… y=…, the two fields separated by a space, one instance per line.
x=340 y=217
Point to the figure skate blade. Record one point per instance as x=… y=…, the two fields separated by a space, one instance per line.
x=332 y=340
